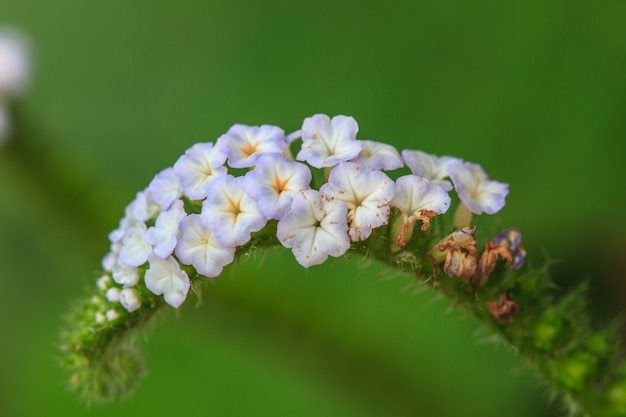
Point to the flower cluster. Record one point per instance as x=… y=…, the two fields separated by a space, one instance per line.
x=14 y=73
x=193 y=216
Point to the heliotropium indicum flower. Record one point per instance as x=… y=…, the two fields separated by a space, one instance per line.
x=231 y=212
x=162 y=236
x=430 y=167
x=326 y=141
x=198 y=247
x=165 y=188
x=476 y=191
x=273 y=183
x=200 y=164
x=367 y=194
x=315 y=228
x=164 y=276
x=418 y=199
x=377 y=155
x=247 y=193
x=245 y=144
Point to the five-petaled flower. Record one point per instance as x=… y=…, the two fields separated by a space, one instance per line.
x=367 y=194
x=326 y=141
x=476 y=191
x=245 y=144
x=314 y=228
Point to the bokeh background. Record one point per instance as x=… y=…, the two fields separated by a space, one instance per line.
x=535 y=91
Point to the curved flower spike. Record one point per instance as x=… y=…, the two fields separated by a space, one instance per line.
x=327 y=142
x=314 y=228
x=378 y=155
x=367 y=194
x=273 y=183
x=430 y=167
x=231 y=212
x=245 y=144
x=418 y=199
x=198 y=247
x=461 y=253
x=198 y=167
x=474 y=188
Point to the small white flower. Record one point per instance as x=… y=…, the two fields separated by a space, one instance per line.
x=129 y=299
x=164 y=276
x=200 y=164
x=112 y=315
x=165 y=188
x=113 y=294
x=314 y=228
x=162 y=236
x=430 y=167
x=367 y=194
x=103 y=282
x=418 y=199
x=100 y=318
x=245 y=144
x=274 y=181
x=231 y=212
x=198 y=247
x=135 y=249
x=14 y=63
x=475 y=190
x=125 y=275
x=377 y=155
x=142 y=208
x=327 y=142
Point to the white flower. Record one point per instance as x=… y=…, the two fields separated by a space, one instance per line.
x=274 y=181
x=14 y=63
x=314 y=228
x=113 y=294
x=129 y=299
x=142 y=208
x=103 y=282
x=377 y=155
x=418 y=199
x=162 y=236
x=164 y=276
x=198 y=247
x=125 y=275
x=165 y=188
x=366 y=193
x=135 y=249
x=475 y=190
x=245 y=144
x=430 y=167
x=327 y=142
x=230 y=212
x=200 y=164
x=111 y=315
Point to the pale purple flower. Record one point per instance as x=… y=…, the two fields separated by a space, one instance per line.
x=129 y=299
x=113 y=294
x=165 y=188
x=142 y=208
x=274 y=182
x=231 y=212
x=430 y=167
x=314 y=228
x=366 y=193
x=475 y=190
x=245 y=144
x=14 y=62
x=200 y=164
x=125 y=275
x=418 y=199
x=198 y=247
x=327 y=142
x=164 y=276
x=377 y=155
x=135 y=249
x=162 y=236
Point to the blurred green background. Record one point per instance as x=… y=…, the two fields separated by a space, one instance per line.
x=534 y=91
